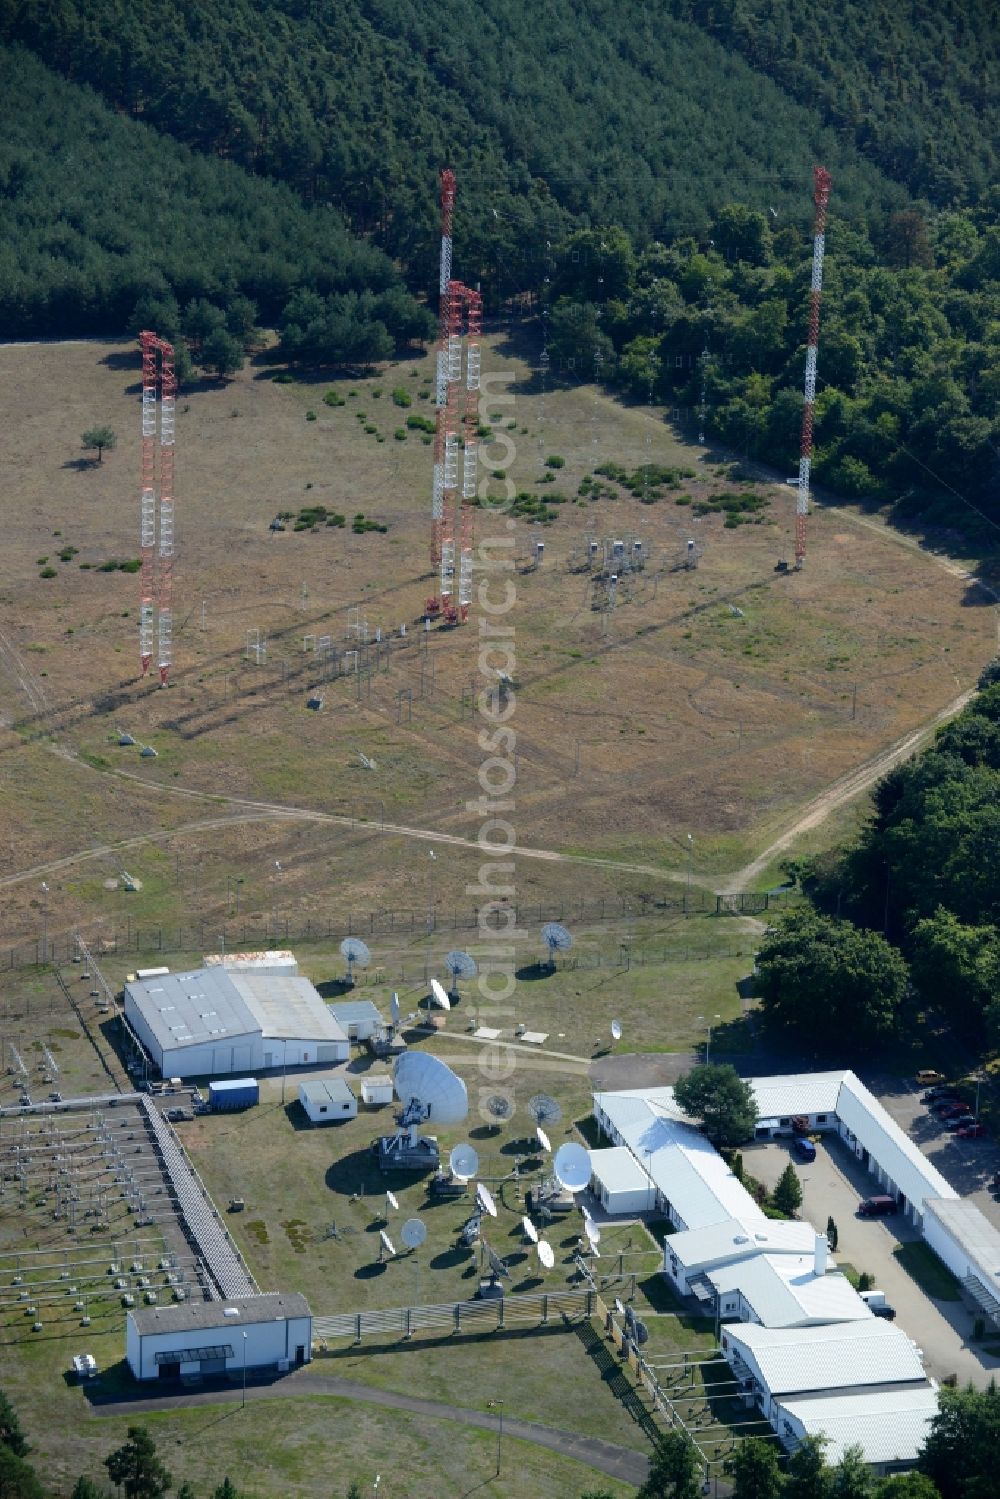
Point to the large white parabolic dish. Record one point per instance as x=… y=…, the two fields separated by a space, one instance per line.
x=423 y=1077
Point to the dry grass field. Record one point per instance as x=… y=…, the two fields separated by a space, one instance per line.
x=674 y=714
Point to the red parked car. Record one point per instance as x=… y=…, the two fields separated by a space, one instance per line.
x=971 y=1131
x=951 y=1109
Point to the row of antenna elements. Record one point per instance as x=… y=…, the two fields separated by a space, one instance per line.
x=461 y=965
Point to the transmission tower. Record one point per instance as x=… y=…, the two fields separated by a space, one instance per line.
x=156 y=575
x=822 y=182
x=474 y=327
x=441 y=388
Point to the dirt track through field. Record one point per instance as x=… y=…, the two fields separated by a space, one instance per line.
x=849 y=786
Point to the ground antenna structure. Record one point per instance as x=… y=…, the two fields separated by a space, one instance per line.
x=428 y=1090
x=557 y=938
x=354 y=951
x=460 y=965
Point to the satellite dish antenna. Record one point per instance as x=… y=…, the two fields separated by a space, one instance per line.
x=413 y=1232
x=439 y=995
x=461 y=965
x=572 y=1167
x=484 y=1197
x=619 y=1308
x=390 y=1198
x=530 y=1230
x=355 y=951
x=386 y=1242
x=556 y=939
x=616 y=1030
x=429 y=1088
x=592 y=1231
x=543 y=1139
x=464 y=1162
x=546 y=1254
x=500 y=1106
x=394 y=1009
x=544 y=1109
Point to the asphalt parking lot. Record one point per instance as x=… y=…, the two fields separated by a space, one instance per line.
x=833 y=1186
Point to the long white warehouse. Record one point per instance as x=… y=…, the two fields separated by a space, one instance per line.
x=214 y=1022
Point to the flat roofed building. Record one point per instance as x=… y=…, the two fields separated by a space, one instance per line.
x=890 y=1426
x=328 y=1100
x=773 y=1363
x=969 y=1244
x=786 y=1291
x=211 y=1022
x=359 y=1019
x=701 y=1250
x=619 y=1183
x=199 y=1338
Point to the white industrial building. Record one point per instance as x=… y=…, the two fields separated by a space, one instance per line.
x=969 y=1245
x=359 y=1019
x=207 y=1338
x=774 y=1364
x=803 y=1344
x=217 y=1021
x=888 y=1425
x=377 y=1089
x=619 y=1183
x=328 y=1100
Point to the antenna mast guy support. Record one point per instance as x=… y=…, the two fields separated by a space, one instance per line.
x=156 y=581
x=822 y=183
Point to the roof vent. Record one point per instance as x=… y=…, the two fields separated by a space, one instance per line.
x=231 y=1311
x=741 y=1239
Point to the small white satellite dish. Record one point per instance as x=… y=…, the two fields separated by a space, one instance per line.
x=390 y=1198
x=413 y=1233
x=543 y=1139
x=394 y=1009
x=440 y=995
x=464 y=1162
x=616 y=1030
x=546 y=1254
x=572 y=1167
x=592 y=1231
x=484 y=1197
x=387 y=1243
x=530 y=1230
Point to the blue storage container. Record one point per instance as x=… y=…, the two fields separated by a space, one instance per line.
x=233 y=1093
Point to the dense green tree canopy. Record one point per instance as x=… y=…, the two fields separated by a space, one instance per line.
x=721 y=1101
x=959 y=1455
x=825 y=983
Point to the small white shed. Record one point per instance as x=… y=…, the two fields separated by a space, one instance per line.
x=377 y=1089
x=619 y=1182
x=359 y=1019
x=328 y=1101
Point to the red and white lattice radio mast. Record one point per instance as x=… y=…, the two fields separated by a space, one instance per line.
x=156 y=578
x=452 y=512
x=822 y=182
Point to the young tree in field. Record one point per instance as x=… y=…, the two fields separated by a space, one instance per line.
x=907 y=1486
x=721 y=1101
x=807 y=1475
x=18 y=1479
x=99 y=438
x=186 y=1491
x=11 y=1434
x=754 y=1470
x=959 y=1455
x=226 y=1490
x=674 y=1470
x=86 y=1488
x=787 y=1195
x=136 y=1468
x=221 y=353
x=852 y=1478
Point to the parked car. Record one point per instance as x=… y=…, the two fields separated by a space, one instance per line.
x=950 y=1106
x=937 y=1095
x=877 y=1207
x=961 y=1121
x=883 y=1309
x=804 y=1148
x=973 y=1131
x=926 y=1076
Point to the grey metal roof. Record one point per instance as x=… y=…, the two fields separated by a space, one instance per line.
x=207 y=1005
x=350 y=1010
x=327 y=1090
x=199 y=1316
x=190 y=1009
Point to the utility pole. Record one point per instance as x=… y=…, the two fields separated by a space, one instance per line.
x=493 y=1405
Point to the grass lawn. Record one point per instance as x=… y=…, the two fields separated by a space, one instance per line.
x=930 y=1273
